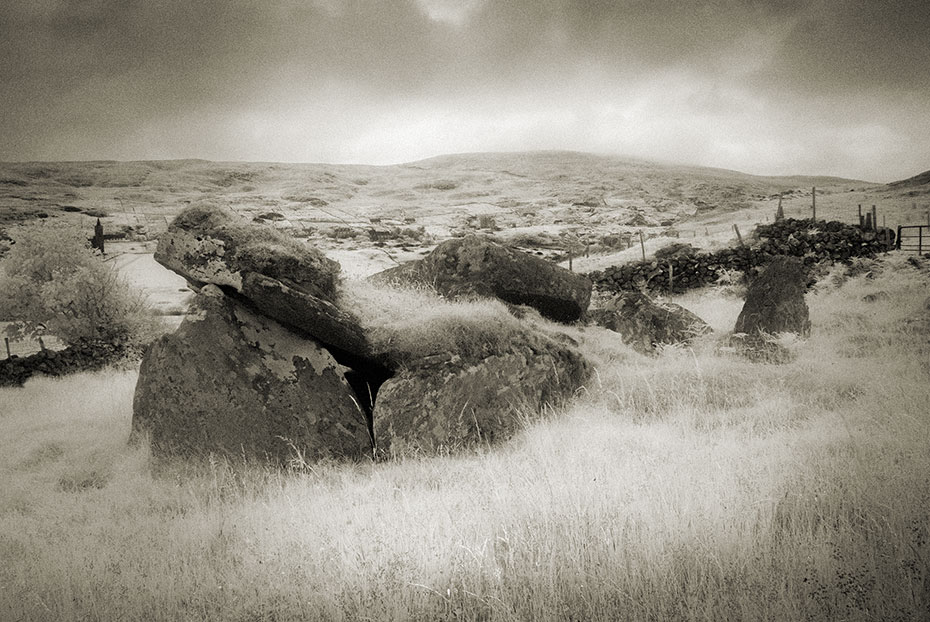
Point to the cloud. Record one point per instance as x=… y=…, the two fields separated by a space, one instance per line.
x=754 y=85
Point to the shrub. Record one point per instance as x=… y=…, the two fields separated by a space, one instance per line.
x=51 y=280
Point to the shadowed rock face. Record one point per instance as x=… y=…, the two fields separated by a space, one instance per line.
x=775 y=300
x=445 y=402
x=644 y=323
x=232 y=382
x=476 y=265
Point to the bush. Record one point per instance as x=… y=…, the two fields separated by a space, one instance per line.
x=51 y=280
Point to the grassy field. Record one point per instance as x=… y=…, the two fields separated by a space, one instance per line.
x=693 y=486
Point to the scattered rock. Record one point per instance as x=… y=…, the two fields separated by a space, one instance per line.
x=235 y=383
x=775 y=300
x=644 y=323
x=477 y=265
x=447 y=401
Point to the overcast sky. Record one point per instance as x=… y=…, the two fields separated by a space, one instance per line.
x=838 y=87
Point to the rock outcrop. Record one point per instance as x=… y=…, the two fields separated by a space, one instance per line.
x=448 y=401
x=644 y=323
x=775 y=300
x=233 y=382
x=478 y=266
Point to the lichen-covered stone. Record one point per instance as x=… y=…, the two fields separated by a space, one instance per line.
x=285 y=280
x=775 y=300
x=232 y=382
x=644 y=323
x=477 y=265
x=212 y=245
x=445 y=402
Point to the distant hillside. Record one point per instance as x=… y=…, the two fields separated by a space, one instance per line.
x=913 y=186
x=516 y=189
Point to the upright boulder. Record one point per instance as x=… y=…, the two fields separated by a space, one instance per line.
x=477 y=265
x=232 y=382
x=775 y=300
x=644 y=323
x=452 y=400
x=282 y=278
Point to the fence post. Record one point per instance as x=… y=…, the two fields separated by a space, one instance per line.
x=738 y=236
x=874 y=218
x=814 y=202
x=41 y=344
x=920 y=240
x=642 y=245
x=6 y=340
x=671 y=277
x=897 y=242
x=861 y=220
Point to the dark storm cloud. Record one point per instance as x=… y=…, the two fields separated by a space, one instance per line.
x=375 y=80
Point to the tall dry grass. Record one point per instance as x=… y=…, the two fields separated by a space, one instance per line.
x=692 y=486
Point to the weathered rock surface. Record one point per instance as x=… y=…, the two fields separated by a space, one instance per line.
x=477 y=265
x=644 y=323
x=775 y=300
x=447 y=401
x=283 y=279
x=233 y=382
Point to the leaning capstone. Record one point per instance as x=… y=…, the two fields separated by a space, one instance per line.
x=234 y=383
x=292 y=283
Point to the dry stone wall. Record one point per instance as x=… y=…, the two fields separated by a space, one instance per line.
x=810 y=240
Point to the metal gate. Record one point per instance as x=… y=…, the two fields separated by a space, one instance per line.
x=913 y=238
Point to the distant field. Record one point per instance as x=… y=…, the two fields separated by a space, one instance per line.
x=691 y=486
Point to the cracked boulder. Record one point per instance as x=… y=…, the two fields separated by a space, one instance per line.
x=448 y=401
x=234 y=383
x=478 y=266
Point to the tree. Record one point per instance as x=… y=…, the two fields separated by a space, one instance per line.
x=51 y=280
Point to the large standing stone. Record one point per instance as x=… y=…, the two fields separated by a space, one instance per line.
x=232 y=382
x=477 y=265
x=644 y=323
x=285 y=280
x=448 y=401
x=775 y=300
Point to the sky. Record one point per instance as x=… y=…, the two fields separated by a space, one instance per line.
x=829 y=87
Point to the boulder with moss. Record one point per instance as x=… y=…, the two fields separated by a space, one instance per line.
x=478 y=266
x=471 y=380
x=232 y=382
x=644 y=323
x=279 y=276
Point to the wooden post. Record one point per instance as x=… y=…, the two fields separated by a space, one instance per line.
x=861 y=221
x=642 y=245
x=738 y=236
x=780 y=212
x=897 y=240
x=6 y=340
x=671 y=277
x=814 y=202
x=928 y=219
x=920 y=241
x=874 y=218
x=41 y=344
x=570 y=260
